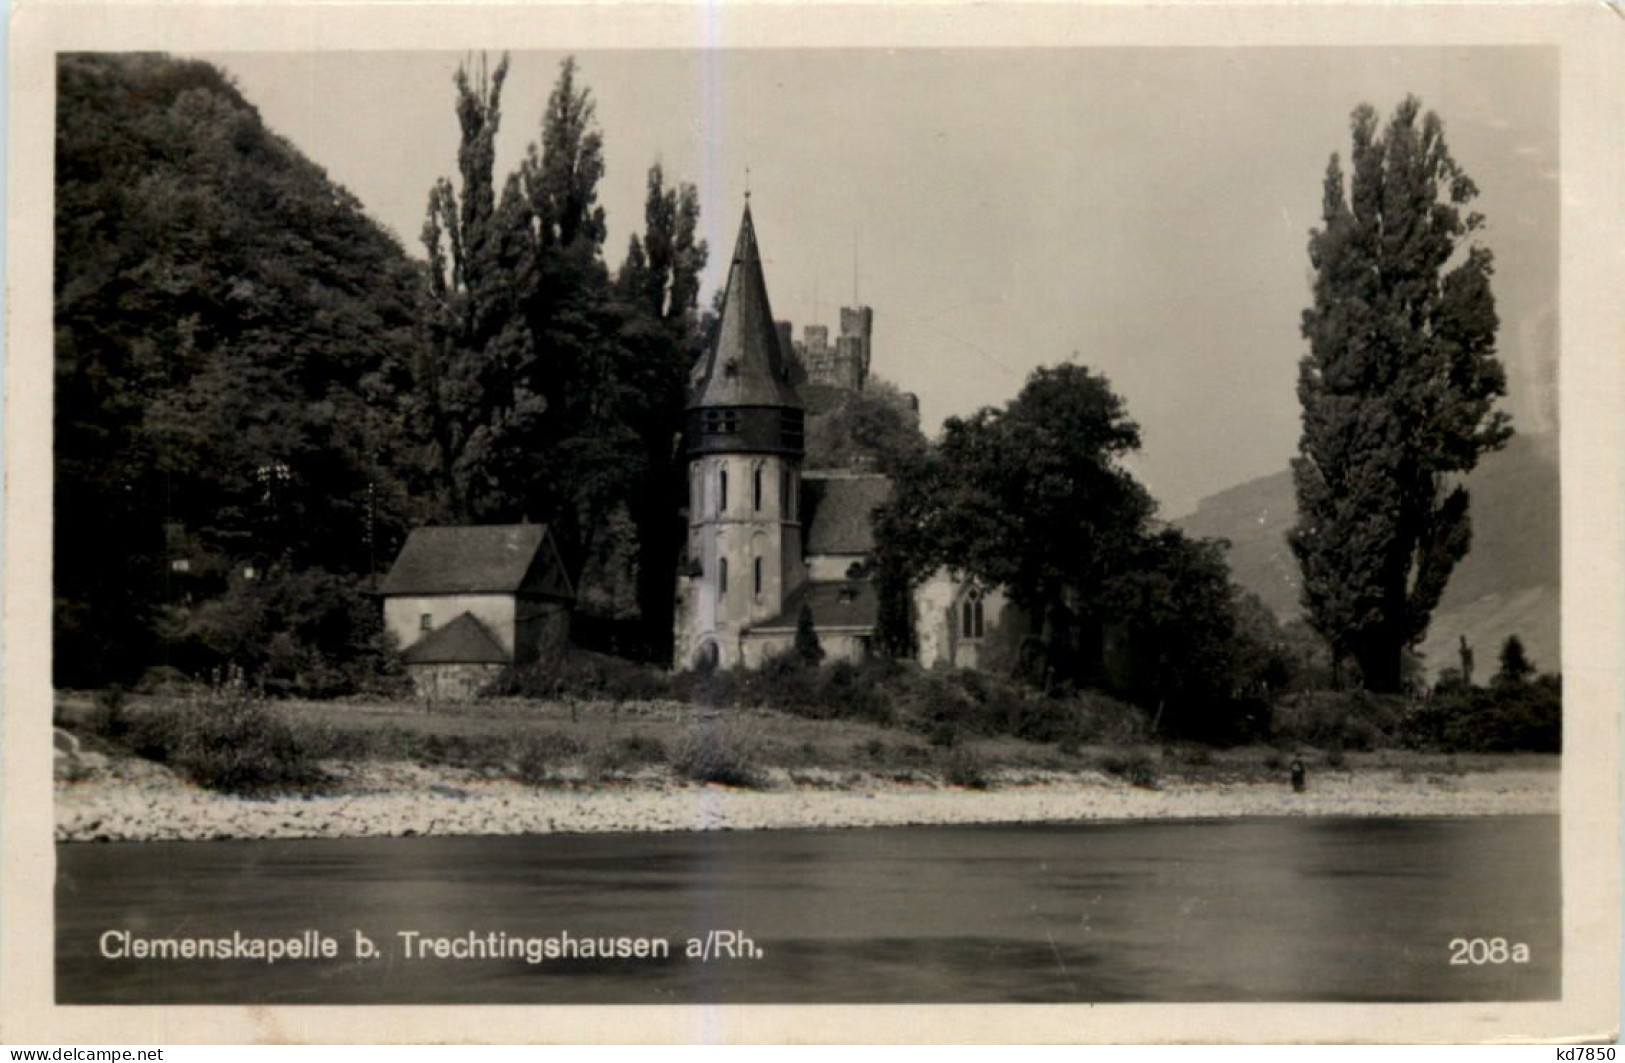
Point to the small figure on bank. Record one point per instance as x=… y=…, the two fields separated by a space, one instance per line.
x=1298 y=774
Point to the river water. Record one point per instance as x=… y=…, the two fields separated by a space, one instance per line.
x=1282 y=909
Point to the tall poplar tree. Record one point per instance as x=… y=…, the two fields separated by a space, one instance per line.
x=555 y=392
x=1398 y=390
x=660 y=282
x=1032 y=498
x=472 y=369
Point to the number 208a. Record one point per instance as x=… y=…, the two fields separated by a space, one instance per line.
x=1480 y=951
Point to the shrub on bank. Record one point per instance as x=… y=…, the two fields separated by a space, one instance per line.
x=943 y=704
x=1136 y=766
x=1342 y=719
x=293 y=632
x=718 y=752
x=540 y=755
x=588 y=676
x=1506 y=717
x=962 y=767
x=228 y=739
x=935 y=703
x=626 y=756
x=789 y=683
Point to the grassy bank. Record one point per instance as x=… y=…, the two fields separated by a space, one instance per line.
x=245 y=746
x=219 y=764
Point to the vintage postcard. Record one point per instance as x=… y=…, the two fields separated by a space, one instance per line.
x=1051 y=523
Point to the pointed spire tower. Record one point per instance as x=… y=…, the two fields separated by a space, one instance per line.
x=746 y=372
x=743 y=434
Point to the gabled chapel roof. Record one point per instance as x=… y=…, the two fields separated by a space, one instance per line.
x=835 y=605
x=838 y=510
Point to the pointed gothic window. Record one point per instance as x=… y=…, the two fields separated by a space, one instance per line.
x=970 y=615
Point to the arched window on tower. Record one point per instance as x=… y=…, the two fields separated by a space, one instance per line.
x=722 y=576
x=970 y=615
x=757 y=567
x=756 y=489
x=722 y=491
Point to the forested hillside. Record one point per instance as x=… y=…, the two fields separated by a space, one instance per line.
x=259 y=392
x=234 y=341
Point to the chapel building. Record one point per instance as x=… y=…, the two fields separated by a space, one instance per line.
x=768 y=540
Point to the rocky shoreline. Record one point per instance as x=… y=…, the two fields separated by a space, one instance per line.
x=134 y=800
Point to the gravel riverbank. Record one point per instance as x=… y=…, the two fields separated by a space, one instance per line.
x=134 y=800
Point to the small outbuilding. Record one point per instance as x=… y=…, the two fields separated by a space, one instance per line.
x=465 y=603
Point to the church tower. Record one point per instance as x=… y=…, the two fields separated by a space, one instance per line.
x=742 y=433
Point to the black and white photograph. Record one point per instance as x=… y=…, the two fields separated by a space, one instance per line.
x=813 y=521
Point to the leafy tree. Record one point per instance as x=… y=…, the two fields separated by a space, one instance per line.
x=1397 y=390
x=473 y=380
x=558 y=389
x=561 y=177
x=878 y=427
x=807 y=647
x=1178 y=651
x=1264 y=663
x=660 y=283
x=1515 y=664
x=663 y=265
x=1031 y=498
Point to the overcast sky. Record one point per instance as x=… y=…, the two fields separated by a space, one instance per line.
x=1144 y=211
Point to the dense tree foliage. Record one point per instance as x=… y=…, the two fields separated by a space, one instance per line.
x=876 y=429
x=1515 y=664
x=262 y=393
x=1398 y=390
x=1033 y=498
x=259 y=393
x=233 y=342
x=553 y=391
x=1178 y=624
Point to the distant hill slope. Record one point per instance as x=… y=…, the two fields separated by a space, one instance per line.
x=1508 y=583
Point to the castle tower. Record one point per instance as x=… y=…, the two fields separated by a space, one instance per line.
x=743 y=430
x=857 y=325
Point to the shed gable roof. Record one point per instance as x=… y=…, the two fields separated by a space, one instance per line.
x=839 y=512
x=482 y=559
x=463 y=641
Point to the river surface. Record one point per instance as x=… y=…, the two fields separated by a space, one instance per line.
x=1236 y=910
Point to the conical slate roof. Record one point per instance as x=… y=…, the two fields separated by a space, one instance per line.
x=746 y=367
